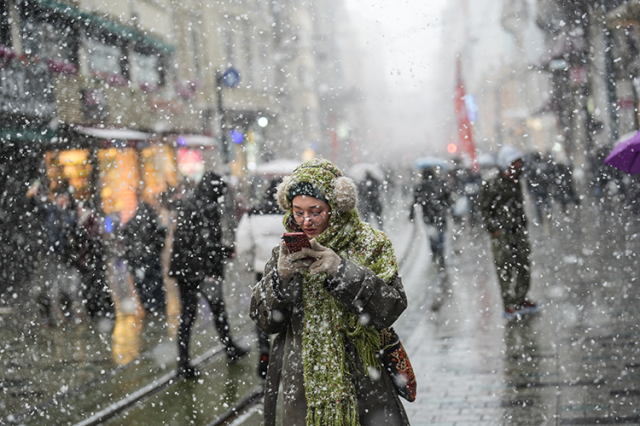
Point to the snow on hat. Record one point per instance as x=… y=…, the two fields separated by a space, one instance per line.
x=321 y=179
x=507 y=155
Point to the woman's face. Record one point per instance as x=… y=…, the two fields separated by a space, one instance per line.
x=311 y=214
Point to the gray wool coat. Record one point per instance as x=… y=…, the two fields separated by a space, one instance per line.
x=276 y=308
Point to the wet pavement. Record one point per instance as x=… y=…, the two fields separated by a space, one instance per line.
x=575 y=362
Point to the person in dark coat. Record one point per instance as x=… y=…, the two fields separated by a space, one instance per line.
x=434 y=196
x=197 y=262
x=58 y=290
x=502 y=205
x=539 y=176
x=143 y=239
x=369 y=203
x=328 y=312
x=91 y=263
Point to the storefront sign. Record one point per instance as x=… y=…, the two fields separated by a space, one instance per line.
x=26 y=91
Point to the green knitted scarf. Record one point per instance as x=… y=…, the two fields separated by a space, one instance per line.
x=330 y=394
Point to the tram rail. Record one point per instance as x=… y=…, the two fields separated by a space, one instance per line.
x=145 y=392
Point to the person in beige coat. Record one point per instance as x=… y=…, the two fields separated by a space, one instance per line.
x=327 y=304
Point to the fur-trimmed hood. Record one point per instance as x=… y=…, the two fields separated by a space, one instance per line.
x=326 y=179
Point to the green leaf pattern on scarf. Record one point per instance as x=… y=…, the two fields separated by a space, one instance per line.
x=331 y=396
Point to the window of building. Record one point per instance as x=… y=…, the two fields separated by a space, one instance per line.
x=106 y=58
x=48 y=35
x=148 y=67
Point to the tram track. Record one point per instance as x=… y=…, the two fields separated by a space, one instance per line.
x=170 y=379
x=135 y=397
x=150 y=386
x=236 y=410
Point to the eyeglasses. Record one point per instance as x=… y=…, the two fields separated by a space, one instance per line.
x=315 y=218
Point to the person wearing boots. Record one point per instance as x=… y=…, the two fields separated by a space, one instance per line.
x=197 y=264
x=502 y=206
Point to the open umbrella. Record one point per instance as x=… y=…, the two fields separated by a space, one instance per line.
x=358 y=172
x=424 y=162
x=625 y=156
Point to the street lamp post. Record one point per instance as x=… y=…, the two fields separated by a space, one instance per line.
x=229 y=78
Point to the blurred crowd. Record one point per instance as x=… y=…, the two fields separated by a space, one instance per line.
x=89 y=261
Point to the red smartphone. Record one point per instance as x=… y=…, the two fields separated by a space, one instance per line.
x=296 y=241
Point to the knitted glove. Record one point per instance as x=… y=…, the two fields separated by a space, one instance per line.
x=326 y=260
x=290 y=263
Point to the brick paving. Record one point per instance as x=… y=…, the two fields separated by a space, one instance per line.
x=576 y=362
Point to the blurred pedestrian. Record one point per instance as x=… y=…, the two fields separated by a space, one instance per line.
x=58 y=289
x=91 y=263
x=259 y=231
x=564 y=190
x=539 y=173
x=197 y=263
x=369 y=202
x=143 y=238
x=433 y=196
x=502 y=205
x=328 y=311
x=468 y=185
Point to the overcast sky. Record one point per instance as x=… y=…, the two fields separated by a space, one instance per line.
x=411 y=35
x=407 y=34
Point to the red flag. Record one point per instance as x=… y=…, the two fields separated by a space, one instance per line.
x=464 y=124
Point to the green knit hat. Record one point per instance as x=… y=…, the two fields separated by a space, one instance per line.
x=321 y=179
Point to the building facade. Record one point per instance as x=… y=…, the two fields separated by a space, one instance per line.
x=122 y=100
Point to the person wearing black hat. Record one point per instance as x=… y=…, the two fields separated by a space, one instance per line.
x=197 y=263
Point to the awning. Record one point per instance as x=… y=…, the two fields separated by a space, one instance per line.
x=112 y=27
x=27 y=135
x=114 y=134
x=194 y=141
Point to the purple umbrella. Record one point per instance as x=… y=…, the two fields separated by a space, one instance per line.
x=625 y=156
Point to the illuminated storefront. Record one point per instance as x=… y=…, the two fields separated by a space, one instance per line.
x=195 y=154
x=126 y=170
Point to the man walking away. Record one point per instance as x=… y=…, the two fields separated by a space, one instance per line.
x=502 y=205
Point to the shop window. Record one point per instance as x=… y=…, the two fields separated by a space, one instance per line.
x=158 y=171
x=119 y=182
x=148 y=69
x=70 y=167
x=122 y=171
x=48 y=35
x=191 y=164
x=107 y=60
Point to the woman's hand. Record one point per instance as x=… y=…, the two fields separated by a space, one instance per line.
x=290 y=263
x=326 y=260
